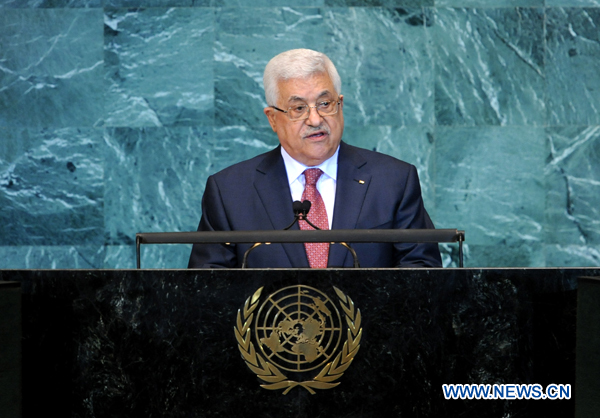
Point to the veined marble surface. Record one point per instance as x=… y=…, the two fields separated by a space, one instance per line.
x=490 y=66
x=159 y=67
x=113 y=113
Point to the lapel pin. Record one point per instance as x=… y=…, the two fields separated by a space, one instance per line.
x=361 y=182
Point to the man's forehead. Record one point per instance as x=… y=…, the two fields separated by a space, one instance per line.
x=317 y=85
x=295 y=98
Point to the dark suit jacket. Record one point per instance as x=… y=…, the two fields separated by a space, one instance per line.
x=255 y=195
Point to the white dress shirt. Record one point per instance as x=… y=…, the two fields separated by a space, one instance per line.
x=325 y=185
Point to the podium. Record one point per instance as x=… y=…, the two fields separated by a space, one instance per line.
x=124 y=343
x=10 y=349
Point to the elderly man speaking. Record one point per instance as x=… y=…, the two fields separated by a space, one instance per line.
x=348 y=187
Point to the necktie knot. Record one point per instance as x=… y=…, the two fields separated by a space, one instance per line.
x=312 y=175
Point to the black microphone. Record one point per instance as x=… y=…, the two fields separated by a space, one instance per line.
x=299 y=210
x=305 y=209
x=297 y=207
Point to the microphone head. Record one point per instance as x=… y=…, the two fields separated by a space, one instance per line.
x=297 y=207
x=306 y=207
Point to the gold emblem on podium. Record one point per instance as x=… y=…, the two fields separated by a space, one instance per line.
x=298 y=331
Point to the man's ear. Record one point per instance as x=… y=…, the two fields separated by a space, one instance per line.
x=270 y=112
x=341 y=101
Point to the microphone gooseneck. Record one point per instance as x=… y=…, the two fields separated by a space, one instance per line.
x=301 y=210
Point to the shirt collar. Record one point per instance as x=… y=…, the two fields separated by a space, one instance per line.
x=295 y=169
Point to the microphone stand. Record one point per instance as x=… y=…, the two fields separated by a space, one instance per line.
x=300 y=209
x=300 y=214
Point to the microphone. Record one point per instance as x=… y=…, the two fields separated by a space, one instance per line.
x=299 y=211
x=305 y=208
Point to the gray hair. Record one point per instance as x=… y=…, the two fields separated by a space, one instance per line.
x=297 y=63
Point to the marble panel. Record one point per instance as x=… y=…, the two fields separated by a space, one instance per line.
x=232 y=144
x=489 y=3
x=572 y=255
x=573 y=66
x=154 y=180
x=50 y=67
x=151 y=256
x=159 y=67
x=450 y=254
x=155 y=3
x=488 y=181
x=513 y=253
x=413 y=144
x=378 y=3
x=41 y=4
x=267 y=3
x=573 y=3
x=573 y=186
x=51 y=186
x=490 y=66
x=155 y=177
x=503 y=254
x=384 y=59
x=243 y=47
x=52 y=257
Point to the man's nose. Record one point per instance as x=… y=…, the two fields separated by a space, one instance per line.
x=314 y=119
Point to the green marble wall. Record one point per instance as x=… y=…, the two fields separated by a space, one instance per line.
x=114 y=112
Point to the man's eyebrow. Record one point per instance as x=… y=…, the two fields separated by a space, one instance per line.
x=302 y=99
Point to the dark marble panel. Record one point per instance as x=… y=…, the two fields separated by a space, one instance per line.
x=242 y=49
x=384 y=58
x=573 y=65
x=159 y=67
x=51 y=68
x=588 y=345
x=490 y=66
x=10 y=350
x=51 y=186
x=140 y=343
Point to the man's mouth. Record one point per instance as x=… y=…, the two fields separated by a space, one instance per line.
x=316 y=135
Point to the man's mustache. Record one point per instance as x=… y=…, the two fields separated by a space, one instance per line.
x=309 y=130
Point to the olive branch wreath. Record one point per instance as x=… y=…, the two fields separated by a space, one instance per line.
x=273 y=377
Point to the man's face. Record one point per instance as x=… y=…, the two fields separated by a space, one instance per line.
x=313 y=140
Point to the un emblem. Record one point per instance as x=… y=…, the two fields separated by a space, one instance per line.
x=298 y=329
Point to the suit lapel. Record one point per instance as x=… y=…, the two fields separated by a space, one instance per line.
x=353 y=181
x=273 y=189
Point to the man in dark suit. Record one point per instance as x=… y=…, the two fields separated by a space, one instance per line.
x=349 y=187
